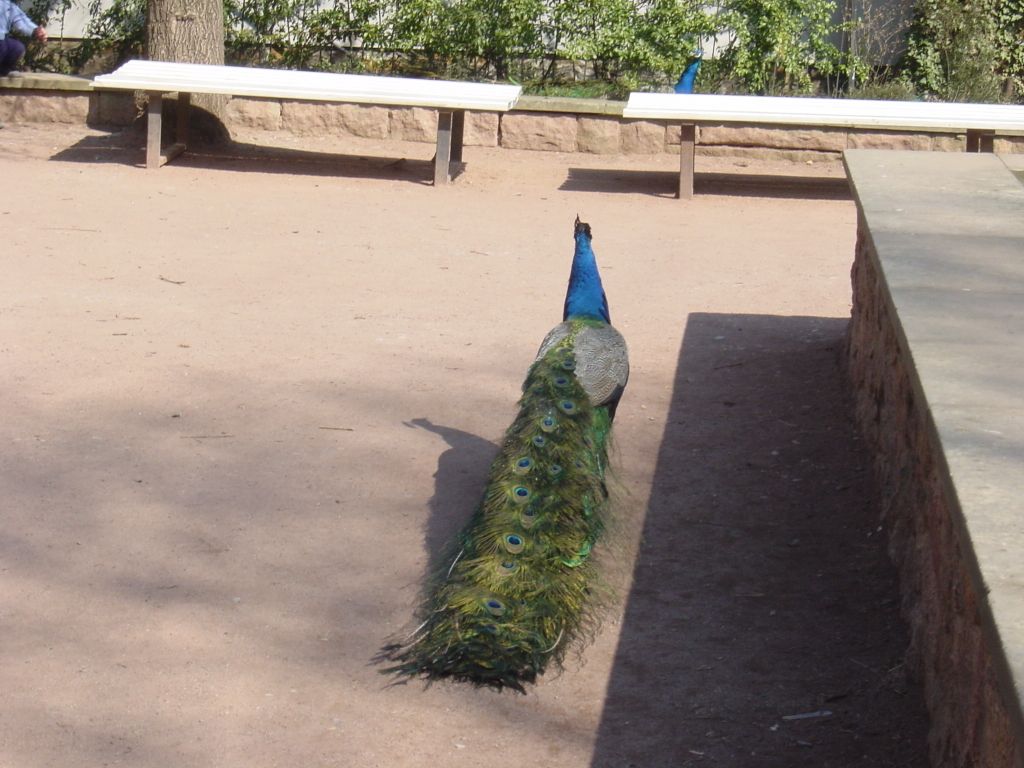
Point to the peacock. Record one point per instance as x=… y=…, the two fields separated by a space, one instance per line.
x=689 y=75
x=515 y=591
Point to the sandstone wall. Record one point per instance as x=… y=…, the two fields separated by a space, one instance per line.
x=553 y=125
x=20 y=106
x=949 y=649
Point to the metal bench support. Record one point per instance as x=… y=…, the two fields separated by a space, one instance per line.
x=687 y=151
x=155 y=154
x=450 y=129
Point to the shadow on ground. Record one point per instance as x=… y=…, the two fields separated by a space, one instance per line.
x=127 y=147
x=458 y=484
x=665 y=184
x=762 y=627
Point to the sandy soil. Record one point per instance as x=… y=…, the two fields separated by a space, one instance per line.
x=248 y=397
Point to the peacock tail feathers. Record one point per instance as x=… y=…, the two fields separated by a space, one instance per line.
x=515 y=593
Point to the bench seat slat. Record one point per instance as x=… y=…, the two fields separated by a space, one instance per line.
x=171 y=77
x=837 y=113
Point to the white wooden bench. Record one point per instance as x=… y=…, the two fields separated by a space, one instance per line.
x=979 y=122
x=451 y=98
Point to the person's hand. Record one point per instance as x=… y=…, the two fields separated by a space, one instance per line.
x=39 y=34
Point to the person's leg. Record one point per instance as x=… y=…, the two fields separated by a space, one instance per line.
x=11 y=51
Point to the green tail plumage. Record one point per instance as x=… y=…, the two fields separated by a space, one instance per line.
x=515 y=592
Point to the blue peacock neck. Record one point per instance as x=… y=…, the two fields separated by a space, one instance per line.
x=689 y=75
x=585 y=296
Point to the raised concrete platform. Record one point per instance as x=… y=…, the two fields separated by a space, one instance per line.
x=1016 y=164
x=936 y=355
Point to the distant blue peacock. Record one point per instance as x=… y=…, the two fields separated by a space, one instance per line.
x=514 y=593
x=689 y=76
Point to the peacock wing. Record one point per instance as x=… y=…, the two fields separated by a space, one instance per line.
x=602 y=359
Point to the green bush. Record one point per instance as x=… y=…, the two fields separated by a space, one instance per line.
x=632 y=39
x=966 y=50
x=782 y=46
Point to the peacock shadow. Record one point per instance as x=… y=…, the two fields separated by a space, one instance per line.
x=458 y=483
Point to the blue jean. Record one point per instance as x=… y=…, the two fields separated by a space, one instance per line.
x=11 y=51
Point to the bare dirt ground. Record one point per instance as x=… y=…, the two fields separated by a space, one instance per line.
x=248 y=397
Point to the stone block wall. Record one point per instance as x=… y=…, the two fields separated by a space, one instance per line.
x=22 y=106
x=303 y=118
x=950 y=649
x=602 y=133
x=538 y=124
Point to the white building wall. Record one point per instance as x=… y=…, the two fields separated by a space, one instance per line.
x=71 y=24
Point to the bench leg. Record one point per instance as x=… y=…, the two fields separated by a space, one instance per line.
x=154 y=127
x=155 y=154
x=981 y=141
x=442 y=158
x=687 y=149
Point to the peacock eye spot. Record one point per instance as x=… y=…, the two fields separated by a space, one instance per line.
x=520 y=494
x=569 y=365
x=555 y=469
x=527 y=518
x=514 y=544
x=494 y=607
x=523 y=465
x=568 y=406
x=540 y=441
x=561 y=381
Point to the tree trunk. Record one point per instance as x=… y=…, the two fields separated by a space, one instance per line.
x=190 y=31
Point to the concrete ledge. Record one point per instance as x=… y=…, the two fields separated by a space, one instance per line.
x=47 y=81
x=574 y=106
x=936 y=359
